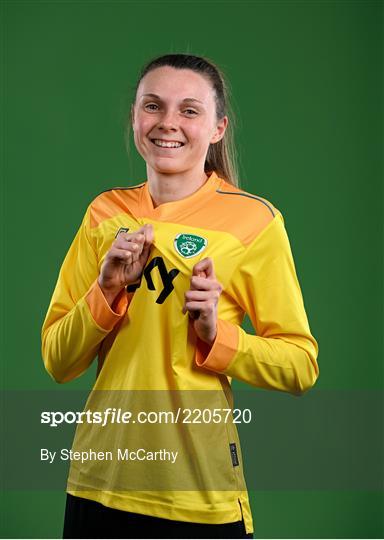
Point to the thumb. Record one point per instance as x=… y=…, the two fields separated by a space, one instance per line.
x=147 y=230
x=204 y=268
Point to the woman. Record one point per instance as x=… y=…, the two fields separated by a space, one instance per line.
x=156 y=284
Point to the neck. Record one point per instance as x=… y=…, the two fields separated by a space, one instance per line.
x=165 y=187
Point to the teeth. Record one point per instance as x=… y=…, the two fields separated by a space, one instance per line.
x=164 y=144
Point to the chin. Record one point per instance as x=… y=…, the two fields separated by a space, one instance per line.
x=168 y=168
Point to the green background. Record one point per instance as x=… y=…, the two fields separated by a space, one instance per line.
x=306 y=79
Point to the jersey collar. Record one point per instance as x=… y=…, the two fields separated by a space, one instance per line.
x=177 y=208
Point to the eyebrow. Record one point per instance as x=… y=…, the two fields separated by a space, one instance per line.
x=184 y=100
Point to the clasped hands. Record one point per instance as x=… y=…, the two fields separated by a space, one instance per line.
x=125 y=262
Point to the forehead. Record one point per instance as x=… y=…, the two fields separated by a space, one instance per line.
x=168 y=82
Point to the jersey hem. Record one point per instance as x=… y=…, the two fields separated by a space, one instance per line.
x=228 y=514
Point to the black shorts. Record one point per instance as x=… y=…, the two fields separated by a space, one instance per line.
x=89 y=519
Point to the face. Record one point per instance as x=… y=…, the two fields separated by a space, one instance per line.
x=174 y=120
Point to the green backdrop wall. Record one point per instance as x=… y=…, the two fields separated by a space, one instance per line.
x=306 y=79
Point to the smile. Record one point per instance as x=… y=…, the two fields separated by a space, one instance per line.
x=167 y=144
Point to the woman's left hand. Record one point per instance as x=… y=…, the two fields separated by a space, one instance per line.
x=201 y=300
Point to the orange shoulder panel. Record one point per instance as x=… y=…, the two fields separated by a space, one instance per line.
x=249 y=214
x=114 y=201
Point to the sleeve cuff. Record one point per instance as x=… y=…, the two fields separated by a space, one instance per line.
x=101 y=311
x=223 y=350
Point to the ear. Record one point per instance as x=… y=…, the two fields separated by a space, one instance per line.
x=132 y=116
x=220 y=130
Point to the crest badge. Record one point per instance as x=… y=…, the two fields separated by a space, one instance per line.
x=189 y=245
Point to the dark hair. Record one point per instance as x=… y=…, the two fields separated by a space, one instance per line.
x=221 y=156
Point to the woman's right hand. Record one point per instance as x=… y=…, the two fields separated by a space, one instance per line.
x=125 y=261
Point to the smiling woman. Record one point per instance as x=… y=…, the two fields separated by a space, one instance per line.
x=155 y=285
x=171 y=136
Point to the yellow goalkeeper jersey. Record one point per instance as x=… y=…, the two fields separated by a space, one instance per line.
x=150 y=358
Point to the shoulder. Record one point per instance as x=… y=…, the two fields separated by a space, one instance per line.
x=245 y=200
x=249 y=214
x=111 y=202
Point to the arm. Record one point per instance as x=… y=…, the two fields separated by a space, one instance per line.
x=79 y=316
x=282 y=356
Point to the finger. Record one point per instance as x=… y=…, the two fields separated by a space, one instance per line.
x=204 y=309
x=194 y=314
x=201 y=296
x=145 y=229
x=125 y=234
x=132 y=247
x=137 y=237
x=204 y=284
x=129 y=247
x=134 y=242
x=199 y=299
x=123 y=255
x=206 y=266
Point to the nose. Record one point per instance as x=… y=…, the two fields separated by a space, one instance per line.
x=168 y=121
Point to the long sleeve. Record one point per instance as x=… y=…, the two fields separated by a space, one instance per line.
x=283 y=354
x=78 y=317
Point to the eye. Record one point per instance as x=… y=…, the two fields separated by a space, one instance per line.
x=151 y=106
x=190 y=112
